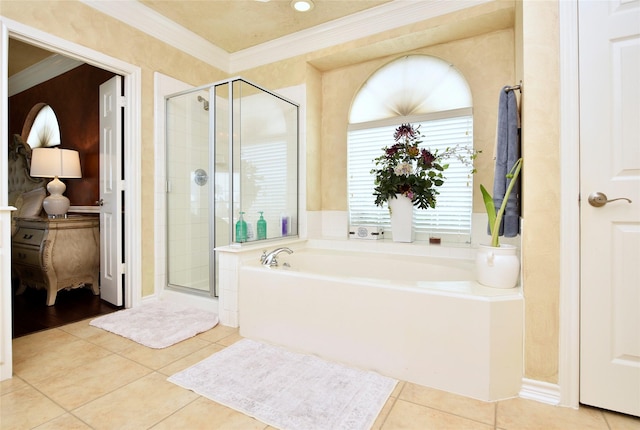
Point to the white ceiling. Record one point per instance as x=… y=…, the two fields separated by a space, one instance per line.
x=234 y=25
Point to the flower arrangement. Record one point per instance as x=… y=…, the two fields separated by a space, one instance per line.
x=406 y=168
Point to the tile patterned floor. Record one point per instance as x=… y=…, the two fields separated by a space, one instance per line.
x=81 y=377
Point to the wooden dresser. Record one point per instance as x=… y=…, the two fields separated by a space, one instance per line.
x=57 y=254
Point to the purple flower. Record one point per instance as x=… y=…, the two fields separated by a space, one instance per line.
x=427 y=157
x=405 y=130
x=391 y=151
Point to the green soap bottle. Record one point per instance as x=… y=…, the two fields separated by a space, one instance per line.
x=262 y=227
x=241 y=229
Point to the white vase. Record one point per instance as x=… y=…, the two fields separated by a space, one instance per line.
x=497 y=267
x=401 y=212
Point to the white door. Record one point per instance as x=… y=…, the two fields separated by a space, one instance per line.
x=609 y=57
x=111 y=264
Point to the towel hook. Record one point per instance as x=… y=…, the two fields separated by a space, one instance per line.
x=514 y=87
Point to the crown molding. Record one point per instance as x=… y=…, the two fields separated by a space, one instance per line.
x=388 y=16
x=385 y=17
x=147 y=20
x=42 y=71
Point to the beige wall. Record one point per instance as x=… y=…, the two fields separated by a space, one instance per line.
x=480 y=41
x=541 y=180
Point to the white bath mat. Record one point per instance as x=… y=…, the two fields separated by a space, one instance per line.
x=157 y=324
x=288 y=390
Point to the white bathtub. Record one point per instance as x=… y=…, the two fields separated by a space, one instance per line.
x=415 y=318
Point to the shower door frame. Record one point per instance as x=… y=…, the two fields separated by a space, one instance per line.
x=213 y=254
x=212 y=291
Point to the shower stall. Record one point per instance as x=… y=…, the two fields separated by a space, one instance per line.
x=232 y=176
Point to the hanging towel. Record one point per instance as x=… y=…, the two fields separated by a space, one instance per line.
x=507 y=153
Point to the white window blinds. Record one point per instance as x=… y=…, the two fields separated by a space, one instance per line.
x=452 y=216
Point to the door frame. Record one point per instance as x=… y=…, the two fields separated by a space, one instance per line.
x=132 y=153
x=569 y=308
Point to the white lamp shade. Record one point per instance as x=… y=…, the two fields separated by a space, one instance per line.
x=55 y=162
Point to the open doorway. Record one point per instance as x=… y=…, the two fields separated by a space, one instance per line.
x=71 y=89
x=131 y=236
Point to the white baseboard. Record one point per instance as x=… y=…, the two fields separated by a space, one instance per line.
x=540 y=391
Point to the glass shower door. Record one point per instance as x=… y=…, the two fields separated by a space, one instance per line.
x=188 y=193
x=231 y=148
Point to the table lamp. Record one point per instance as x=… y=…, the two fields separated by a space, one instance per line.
x=55 y=163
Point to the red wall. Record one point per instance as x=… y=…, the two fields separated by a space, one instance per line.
x=74 y=97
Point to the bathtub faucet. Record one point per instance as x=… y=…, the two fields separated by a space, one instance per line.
x=270 y=259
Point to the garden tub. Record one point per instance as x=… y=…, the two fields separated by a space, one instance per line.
x=415 y=318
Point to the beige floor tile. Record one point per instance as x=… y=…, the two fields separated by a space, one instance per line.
x=191 y=359
x=65 y=356
x=525 y=414
x=32 y=345
x=205 y=414
x=80 y=328
x=138 y=405
x=384 y=413
x=26 y=408
x=110 y=341
x=65 y=422
x=13 y=384
x=448 y=402
x=409 y=416
x=90 y=381
x=398 y=389
x=230 y=340
x=158 y=358
x=217 y=333
x=621 y=421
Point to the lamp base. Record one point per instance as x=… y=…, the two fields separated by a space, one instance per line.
x=56 y=204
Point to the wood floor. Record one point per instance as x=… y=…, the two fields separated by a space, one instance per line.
x=31 y=313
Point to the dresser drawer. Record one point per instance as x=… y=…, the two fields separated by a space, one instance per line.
x=25 y=255
x=29 y=236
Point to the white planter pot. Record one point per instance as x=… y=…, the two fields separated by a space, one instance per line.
x=401 y=212
x=497 y=267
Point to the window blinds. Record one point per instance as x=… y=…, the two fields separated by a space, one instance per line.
x=452 y=215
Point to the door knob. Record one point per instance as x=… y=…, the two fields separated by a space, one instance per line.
x=100 y=202
x=599 y=199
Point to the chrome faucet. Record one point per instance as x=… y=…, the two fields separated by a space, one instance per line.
x=269 y=259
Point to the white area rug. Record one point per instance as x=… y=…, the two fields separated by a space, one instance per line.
x=288 y=390
x=157 y=324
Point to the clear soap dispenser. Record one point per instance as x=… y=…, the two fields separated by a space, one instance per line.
x=262 y=227
x=241 y=229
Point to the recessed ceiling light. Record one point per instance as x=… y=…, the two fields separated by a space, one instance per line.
x=302 y=5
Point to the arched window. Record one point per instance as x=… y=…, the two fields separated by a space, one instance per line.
x=421 y=90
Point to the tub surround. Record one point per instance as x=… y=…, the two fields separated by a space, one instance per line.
x=456 y=336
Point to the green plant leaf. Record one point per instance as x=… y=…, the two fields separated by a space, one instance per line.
x=491 y=210
x=488 y=203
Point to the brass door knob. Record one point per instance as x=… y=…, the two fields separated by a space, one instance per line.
x=599 y=199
